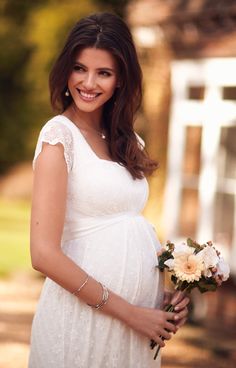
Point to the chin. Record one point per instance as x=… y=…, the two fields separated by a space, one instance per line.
x=89 y=107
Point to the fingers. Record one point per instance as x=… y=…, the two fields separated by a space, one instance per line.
x=182 y=314
x=181 y=323
x=158 y=339
x=182 y=304
x=177 y=297
x=171 y=327
x=182 y=317
x=170 y=316
x=165 y=334
x=167 y=297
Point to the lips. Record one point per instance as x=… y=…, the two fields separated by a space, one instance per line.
x=87 y=96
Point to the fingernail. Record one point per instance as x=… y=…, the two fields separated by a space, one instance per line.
x=176 y=308
x=176 y=317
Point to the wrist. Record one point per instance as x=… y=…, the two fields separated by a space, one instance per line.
x=118 y=308
x=127 y=313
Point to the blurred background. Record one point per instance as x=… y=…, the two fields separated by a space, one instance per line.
x=187 y=50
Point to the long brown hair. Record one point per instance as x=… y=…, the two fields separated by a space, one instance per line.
x=108 y=32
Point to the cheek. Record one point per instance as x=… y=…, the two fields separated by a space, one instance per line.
x=73 y=79
x=110 y=86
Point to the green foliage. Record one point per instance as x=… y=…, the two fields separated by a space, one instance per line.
x=207 y=284
x=162 y=258
x=14 y=55
x=174 y=279
x=117 y=6
x=203 y=285
x=31 y=35
x=194 y=244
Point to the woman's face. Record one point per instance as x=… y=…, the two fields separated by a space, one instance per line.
x=93 y=79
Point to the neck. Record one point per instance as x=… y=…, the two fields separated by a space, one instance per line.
x=91 y=120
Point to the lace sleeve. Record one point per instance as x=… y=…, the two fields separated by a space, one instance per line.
x=54 y=133
x=140 y=141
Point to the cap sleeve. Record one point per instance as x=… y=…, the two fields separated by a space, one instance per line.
x=141 y=142
x=55 y=132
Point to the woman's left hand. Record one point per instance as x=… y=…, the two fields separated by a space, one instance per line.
x=180 y=302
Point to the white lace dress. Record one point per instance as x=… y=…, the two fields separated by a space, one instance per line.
x=104 y=233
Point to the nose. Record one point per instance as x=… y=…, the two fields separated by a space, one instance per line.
x=89 y=81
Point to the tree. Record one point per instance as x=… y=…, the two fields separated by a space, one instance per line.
x=14 y=56
x=117 y=6
x=31 y=34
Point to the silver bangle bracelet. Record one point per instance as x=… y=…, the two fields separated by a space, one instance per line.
x=80 y=288
x=105 y=296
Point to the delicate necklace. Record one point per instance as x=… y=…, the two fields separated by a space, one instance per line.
x=102 y=135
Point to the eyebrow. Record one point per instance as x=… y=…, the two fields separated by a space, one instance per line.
x=105 y=68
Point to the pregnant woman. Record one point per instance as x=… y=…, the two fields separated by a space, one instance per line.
x=102 y=299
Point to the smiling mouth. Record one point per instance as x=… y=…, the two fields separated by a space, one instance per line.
x=88 y=96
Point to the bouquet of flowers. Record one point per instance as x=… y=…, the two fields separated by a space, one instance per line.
x=192 y=265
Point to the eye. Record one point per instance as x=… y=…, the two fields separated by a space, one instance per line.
x=78 y=68
x=105 y=73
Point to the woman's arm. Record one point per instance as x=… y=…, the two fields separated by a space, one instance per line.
x=47 y=220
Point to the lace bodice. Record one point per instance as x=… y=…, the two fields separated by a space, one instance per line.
x=96 y=187
x=53 y=133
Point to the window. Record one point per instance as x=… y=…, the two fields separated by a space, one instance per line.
x=196 y=92
x=229 y=93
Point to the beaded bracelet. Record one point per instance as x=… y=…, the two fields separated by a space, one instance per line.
x=79 y=289
x=105 y=296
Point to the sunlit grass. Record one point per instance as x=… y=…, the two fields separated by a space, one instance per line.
x=14 y=236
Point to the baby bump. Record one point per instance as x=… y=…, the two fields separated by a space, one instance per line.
x=122 y=256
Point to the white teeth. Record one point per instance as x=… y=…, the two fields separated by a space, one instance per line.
x=88 y=95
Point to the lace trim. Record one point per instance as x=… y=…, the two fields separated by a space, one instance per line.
x=54 y=133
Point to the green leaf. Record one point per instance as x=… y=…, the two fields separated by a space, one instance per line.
x=191 y=286
x=193 y=244
x=207 y=284
x=162 y=258
x=170 y=246
x=174 y=279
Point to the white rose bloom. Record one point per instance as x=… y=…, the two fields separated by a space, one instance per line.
x=207 y=272
x=223 y=269
x=182 y=248
x=209 y=256
x=170 y=263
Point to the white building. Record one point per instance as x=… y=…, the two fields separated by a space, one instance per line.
x=200 y=196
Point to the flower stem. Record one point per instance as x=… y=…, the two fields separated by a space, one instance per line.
x=168 y=308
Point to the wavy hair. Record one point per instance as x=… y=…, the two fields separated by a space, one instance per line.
x=109 y=32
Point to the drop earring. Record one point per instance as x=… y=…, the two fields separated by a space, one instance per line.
x=67 y=93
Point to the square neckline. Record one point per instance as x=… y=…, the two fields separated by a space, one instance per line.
x=88 y=145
